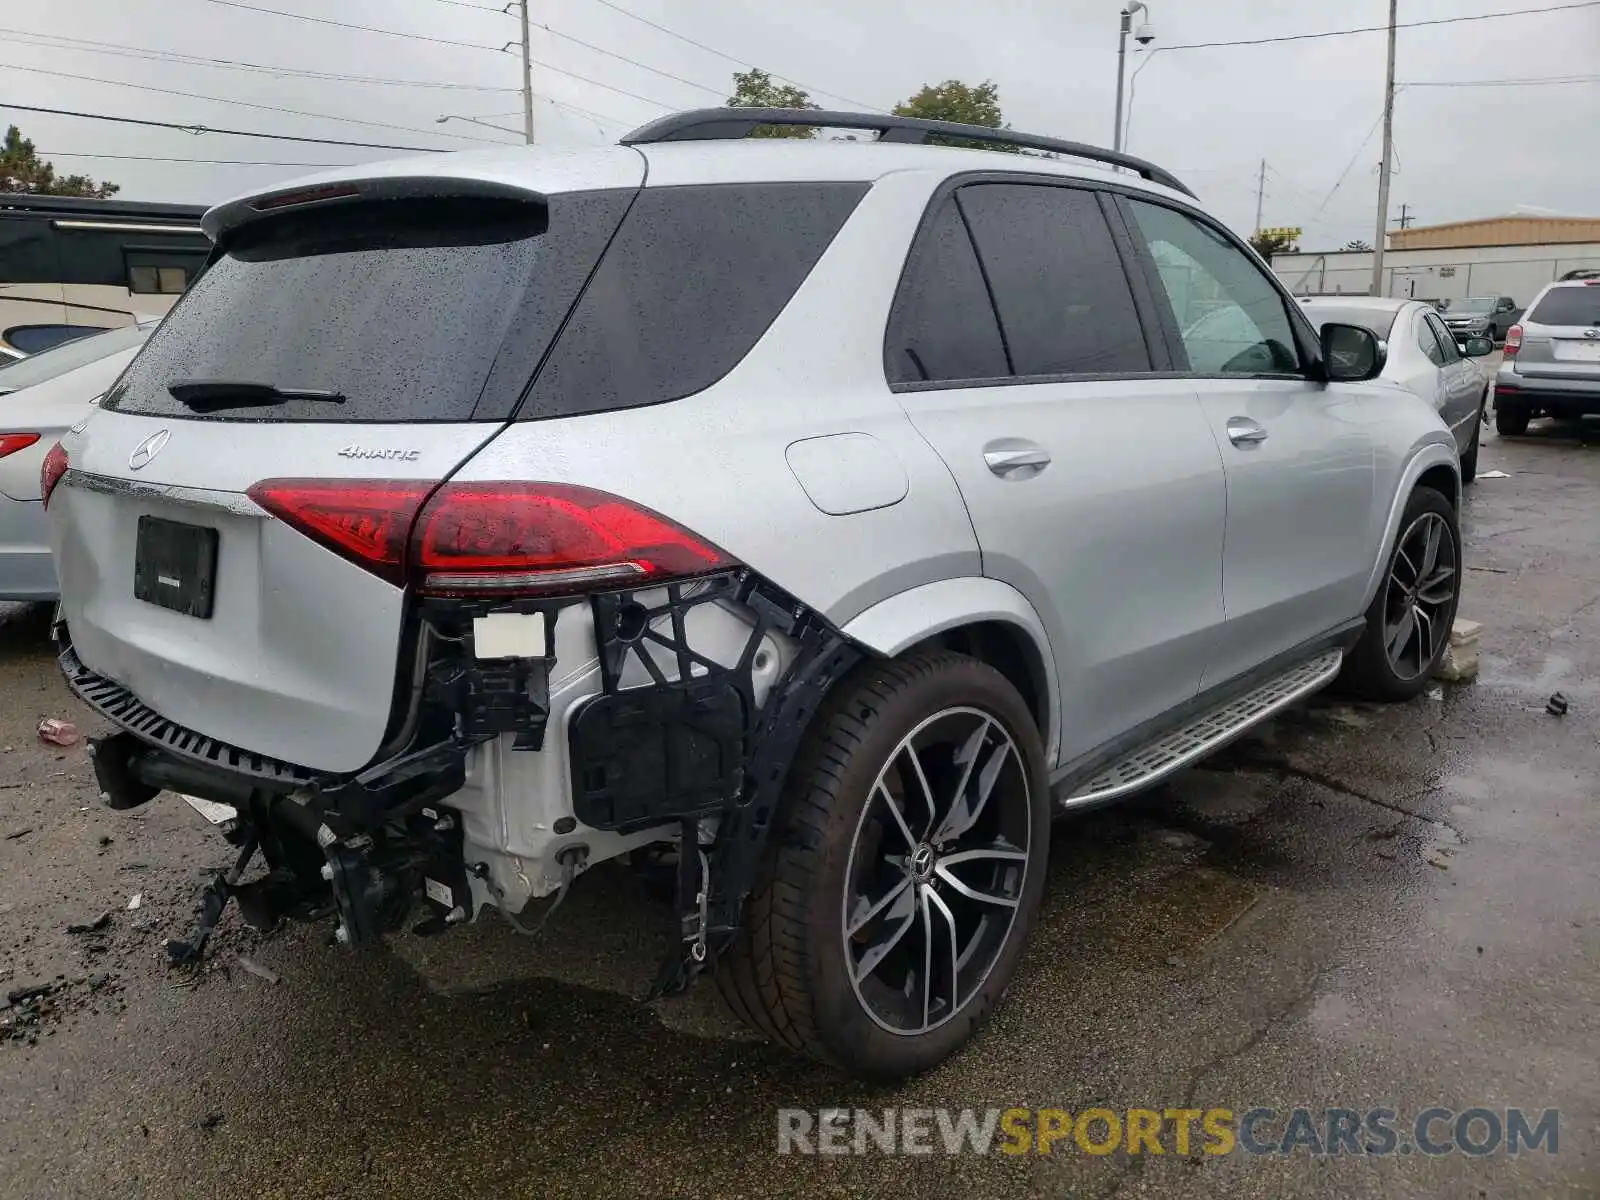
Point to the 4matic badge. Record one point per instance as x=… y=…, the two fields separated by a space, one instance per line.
x=387 y=452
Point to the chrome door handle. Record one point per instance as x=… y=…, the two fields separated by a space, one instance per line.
x=1242 y=431
x=1009 y=458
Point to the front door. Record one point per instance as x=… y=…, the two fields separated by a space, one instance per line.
x=1297 y=453
x=1093 y=483
x=1460 y=384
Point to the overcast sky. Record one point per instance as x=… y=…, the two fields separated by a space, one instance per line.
x=1310 y=108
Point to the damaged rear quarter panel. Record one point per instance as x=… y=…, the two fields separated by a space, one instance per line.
x=716 y=462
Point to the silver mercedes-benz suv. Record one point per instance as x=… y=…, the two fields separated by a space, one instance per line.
x=817 y=516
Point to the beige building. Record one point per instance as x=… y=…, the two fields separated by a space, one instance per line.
x=1497 y=231
x=1492 y=256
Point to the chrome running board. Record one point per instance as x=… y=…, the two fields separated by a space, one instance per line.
x=1208 y=732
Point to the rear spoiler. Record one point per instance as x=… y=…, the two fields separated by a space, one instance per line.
x=228 y=218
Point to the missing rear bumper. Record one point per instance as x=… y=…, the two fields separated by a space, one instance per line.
x=675 y=740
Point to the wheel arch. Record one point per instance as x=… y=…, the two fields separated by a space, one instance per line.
x=1432 y=465
x=984 y=618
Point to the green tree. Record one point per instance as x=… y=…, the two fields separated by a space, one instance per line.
x=953 y=100
x=755 y=89
x=22 y=170
x=1268 y=242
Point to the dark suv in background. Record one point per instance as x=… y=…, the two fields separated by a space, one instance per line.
x=1482 y=316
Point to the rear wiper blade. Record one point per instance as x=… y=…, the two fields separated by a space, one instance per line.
x=211 y=395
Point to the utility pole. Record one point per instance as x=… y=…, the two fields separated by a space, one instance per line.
x=1144 y=37
x=1388 y=155
x=1261 y=191
x=527 y=75
x=1122 y=70
x=1405 y=216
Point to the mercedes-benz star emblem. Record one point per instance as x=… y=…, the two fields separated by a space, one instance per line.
x=148 y=449
x=1591 y=333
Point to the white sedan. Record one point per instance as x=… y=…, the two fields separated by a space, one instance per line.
x=40 y=397
x=1424 y=357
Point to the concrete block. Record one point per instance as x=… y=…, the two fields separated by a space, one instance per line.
x=1460 y=662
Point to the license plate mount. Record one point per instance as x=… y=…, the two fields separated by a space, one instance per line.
x=175 y=566
x=1573 y=350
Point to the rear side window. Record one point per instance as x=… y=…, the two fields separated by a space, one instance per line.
x=693 y=279
x=83 y=347
x=1568 y=306
x=36 y=339
x=1063 y=298
x=1428 y=341
x=1447 y=340
x=411 y=310
x=943 y=326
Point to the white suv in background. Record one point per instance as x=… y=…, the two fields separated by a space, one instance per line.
x=1552 y=358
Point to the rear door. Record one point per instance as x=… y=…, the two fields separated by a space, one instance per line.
x=1298 y=454
x=1561 y=334
x=1093 y=483
x=400 y=334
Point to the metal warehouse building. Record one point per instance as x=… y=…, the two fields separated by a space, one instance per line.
x=1494 y=256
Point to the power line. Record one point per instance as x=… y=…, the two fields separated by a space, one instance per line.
x=632 y=62
x=415 y=37
x=89 y=46
x=1544 y=81
x=296 y=112
x=469 y=45
x=1302 y=37
x=1338 y=183
x=226 y=162
x=198 y=129
x=722 y=54
x=594 y=117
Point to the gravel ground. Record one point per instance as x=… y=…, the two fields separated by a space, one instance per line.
x=1356 y=907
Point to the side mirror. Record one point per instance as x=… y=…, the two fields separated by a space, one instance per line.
x=1351 y=353
x=1477 y=347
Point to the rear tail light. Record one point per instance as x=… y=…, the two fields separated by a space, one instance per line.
x=1513 y=341
x=490 y=539
x=10 y=443
x=51 y=471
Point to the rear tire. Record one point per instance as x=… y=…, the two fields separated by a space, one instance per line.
x=1510 y=421
x=1410 y=619
x=809 y=969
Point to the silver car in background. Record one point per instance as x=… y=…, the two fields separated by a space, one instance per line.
x=1424 y=357
x=1552 y=360
x=41 y=397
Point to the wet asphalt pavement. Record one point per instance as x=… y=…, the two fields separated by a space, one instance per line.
x=1357 y=907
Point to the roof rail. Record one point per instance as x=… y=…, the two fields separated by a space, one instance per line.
x=728 y=124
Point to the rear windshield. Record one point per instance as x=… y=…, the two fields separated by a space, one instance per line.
x=1473 y=304
x=69 y=356
x=1568 y=306
x=410 y=310
x=1379 y=320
